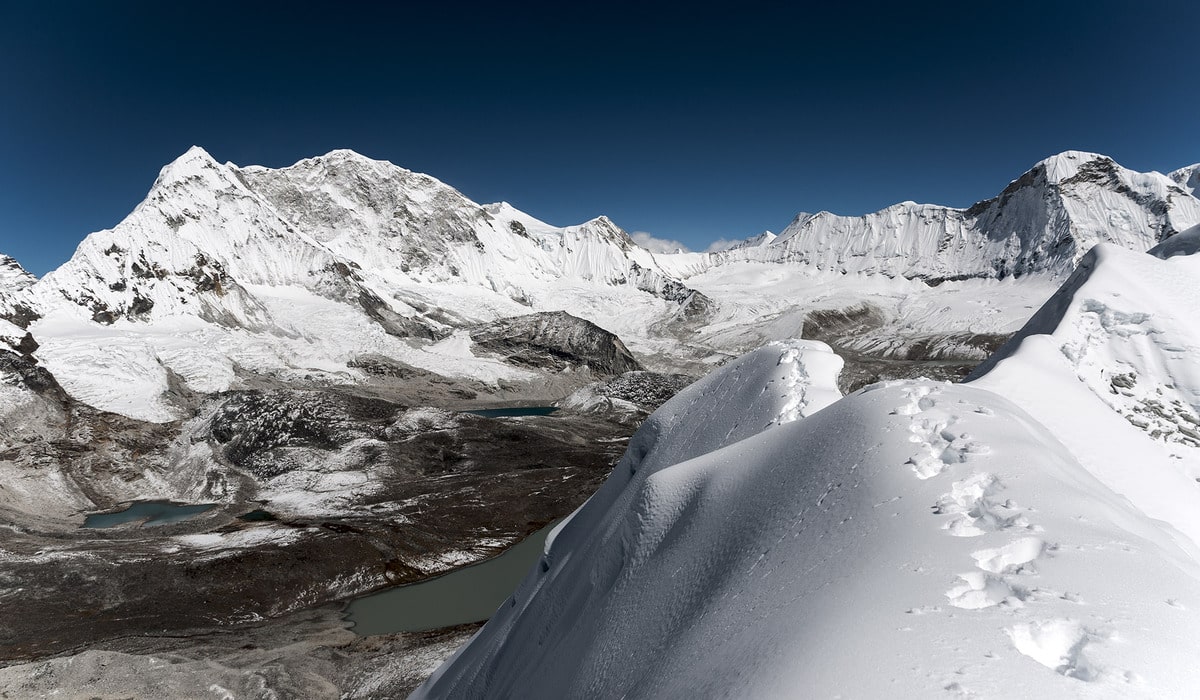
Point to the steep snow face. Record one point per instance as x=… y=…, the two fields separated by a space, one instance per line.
x=187 y=249
x=13 y=277
x=1188 y=178
x=342 y=226
x=13 y=281
x=293 y=272
x=1110 y=364
x=910 y=540
x=1041 y=223
x=402 y=226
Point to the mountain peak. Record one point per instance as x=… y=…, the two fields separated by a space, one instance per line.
x=1065 y=165
x=13 y=277
x=194 y=163
x=194 y=156
x=1188 y=178
x=346 y=156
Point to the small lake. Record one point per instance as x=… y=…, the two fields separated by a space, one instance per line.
x=470 y=594
x=151 y=512
x=514 y=411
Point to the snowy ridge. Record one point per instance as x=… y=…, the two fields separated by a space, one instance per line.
x=401 y=227
x=1043 y=222
x=13 y=277
x=339 y=226
x=188 y=249
x=293 y=272
x=1188 y=178
x=13 y=280
x=1117 y=350
x=910 y=540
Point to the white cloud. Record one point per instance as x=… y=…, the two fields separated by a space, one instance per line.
x=657 y=245
x=721 y=244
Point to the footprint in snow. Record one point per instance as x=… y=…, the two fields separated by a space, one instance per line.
x=1058 y=645
x=975 y=510
x=1014 y=557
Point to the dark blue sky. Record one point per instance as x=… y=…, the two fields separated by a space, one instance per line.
x=720 y=121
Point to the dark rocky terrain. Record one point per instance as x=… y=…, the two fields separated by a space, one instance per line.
x=349 y=489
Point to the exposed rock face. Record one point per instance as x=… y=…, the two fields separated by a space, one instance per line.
x=627 y=398
x=555 y=341
x=363 y=493
x=13 y=281
x=272 y=433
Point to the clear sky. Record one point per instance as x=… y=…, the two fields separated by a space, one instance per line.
x=719 y=121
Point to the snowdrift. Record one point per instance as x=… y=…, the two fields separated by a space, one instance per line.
x=912 y=539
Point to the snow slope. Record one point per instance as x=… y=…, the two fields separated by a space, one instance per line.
x=1110 y=365
x=1031 y=534
x=13 y=280
x=13 y=277
x=1188 y=178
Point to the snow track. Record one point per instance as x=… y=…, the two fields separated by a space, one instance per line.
x=911 y=540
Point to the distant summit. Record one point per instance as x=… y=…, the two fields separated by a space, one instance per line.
x=1042 y=223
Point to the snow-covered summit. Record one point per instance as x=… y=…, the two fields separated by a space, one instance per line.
x=339 y=225
x=250 y=257
x=1066 y=165
x=13 y=277
x=1043 y=222
x=14 y=280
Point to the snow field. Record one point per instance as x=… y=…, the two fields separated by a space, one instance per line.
x=913 y=539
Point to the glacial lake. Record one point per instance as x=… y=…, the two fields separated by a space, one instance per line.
x=514 y=411
x=152 y=512
x=470 y=594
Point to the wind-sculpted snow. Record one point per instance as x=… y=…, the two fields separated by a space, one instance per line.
x=1183 y=243
x=1110 y=365
x=914 y=539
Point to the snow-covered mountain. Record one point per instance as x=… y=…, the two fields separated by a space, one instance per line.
x=762 y=535
x=341 y=226
x=1033 y=533
x=1043 y=222
x=225 y=274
